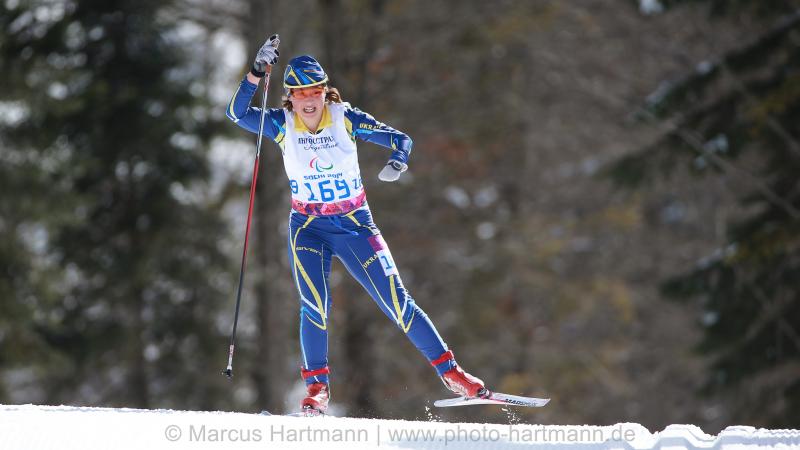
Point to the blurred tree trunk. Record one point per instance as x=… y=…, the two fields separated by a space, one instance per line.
x=270 y=381
x=354 y=367
x=331 y=32
x=368 y=51
x=139 y=380
x=354 y=306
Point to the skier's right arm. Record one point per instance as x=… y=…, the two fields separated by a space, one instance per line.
x=249 y=117
x=239 y=109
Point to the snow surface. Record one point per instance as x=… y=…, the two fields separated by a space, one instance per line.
x=65 y=427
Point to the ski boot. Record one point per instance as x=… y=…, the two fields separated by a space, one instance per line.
x=461 y=382
x=316 y=401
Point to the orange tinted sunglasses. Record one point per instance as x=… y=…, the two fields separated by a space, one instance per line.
x=300 y=93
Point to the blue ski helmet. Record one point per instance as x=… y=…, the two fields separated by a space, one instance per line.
x=303 y=71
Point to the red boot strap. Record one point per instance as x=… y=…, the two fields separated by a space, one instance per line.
x=312 y=373
x=446 y=356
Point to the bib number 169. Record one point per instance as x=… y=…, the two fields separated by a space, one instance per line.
x=325 y=190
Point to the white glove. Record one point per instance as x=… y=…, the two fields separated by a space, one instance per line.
x=267 y=55
x=392 y=171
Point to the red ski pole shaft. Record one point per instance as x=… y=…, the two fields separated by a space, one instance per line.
x=229 y=369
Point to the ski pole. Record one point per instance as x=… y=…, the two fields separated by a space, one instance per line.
x=228 y=372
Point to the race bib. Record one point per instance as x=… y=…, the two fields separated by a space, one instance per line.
x=383 y=254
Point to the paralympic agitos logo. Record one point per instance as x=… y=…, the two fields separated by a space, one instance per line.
x=315 y=164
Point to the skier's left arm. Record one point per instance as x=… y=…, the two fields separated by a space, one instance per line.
x=363 y=126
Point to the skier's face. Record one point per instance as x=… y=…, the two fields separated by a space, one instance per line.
x=308 y=101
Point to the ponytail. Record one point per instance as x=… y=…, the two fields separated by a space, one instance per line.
x=333 y=96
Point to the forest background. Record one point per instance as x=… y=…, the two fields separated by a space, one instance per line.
x=602 y=206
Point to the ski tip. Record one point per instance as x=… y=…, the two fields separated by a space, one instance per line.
x=450 y=401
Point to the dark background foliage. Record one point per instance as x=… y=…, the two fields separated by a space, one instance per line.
x=602 y=206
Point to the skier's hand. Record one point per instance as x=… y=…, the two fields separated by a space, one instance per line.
x=392 y=170
x=267 y=55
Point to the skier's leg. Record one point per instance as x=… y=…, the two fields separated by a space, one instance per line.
x=367 y=257
x=310 y=259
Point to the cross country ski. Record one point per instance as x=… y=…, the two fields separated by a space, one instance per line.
x=494 y=398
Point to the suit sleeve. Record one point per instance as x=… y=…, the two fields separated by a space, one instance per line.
x=249 y=117
x=363 y=126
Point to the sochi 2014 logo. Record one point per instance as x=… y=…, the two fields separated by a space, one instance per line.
x=315 y=164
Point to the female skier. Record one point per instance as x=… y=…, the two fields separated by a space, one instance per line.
x=317 y=134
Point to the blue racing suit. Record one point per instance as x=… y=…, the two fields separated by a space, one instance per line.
x=330 y=217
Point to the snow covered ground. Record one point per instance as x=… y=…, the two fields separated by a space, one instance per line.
x=64 y=427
